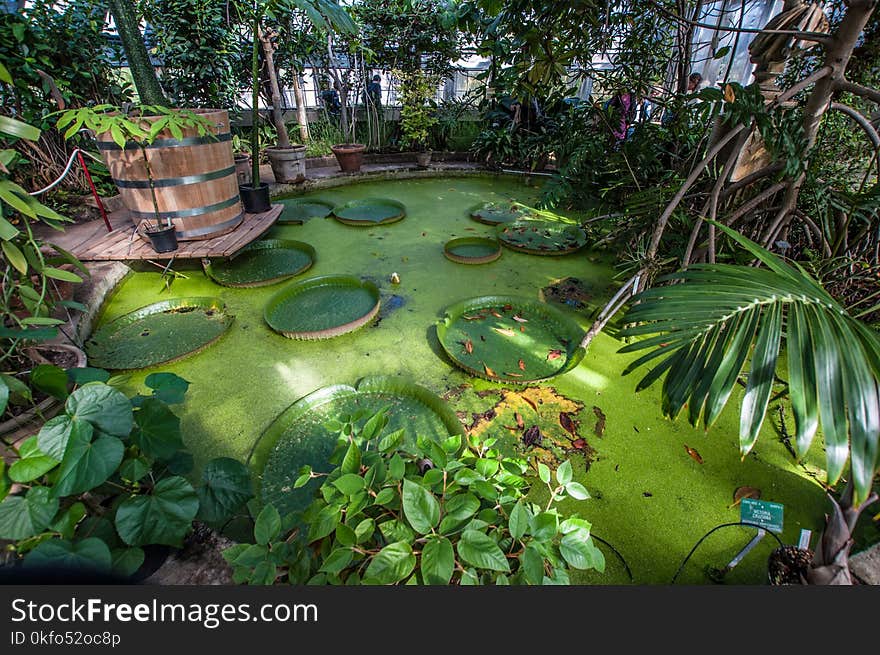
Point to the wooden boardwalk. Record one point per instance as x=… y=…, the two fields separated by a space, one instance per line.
x=91 y=242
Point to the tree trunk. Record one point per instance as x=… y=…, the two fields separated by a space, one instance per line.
x=255 y=105
x=277 y=110
x=142 y=72
x=302 y=115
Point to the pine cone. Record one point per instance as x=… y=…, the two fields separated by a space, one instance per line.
x=789 y=565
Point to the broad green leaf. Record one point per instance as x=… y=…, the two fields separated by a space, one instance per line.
x=396 y=530
x=374 y=425
x=519 y=520
x=264 y=573
x=16 y=128
x=337 y=560
x=325 y=523
x=61 y=274
x=462 y=506
x=81 y=376
x=544 y=526
x=14 y=256
x=7 y=230
x=396 y=467
x=88 y=463
x=90 y=554
x=226 y=487
x=158 y=429
x=24 y=516
x=32 y=463
x=134 y=469
x=167 y=387
x=563 y=473
x=351 y=462
x=104 y=407
x=50 y=379
x=438 y=561
x=349 y=483
x=251 y=555
x=391 y=564
x=391 y=441
x=126 y=561
x=532 y=565
x=267 y=527
x=578 y=550
x=420 y=507
x=66 y=522
x=577 y=491
x=364 y=530
x=162 y=517
x=544 y=473
x=345 y=535
x=481 y=551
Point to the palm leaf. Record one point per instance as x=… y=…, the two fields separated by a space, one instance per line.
x=702 y=332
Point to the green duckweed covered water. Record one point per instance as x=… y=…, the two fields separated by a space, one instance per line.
x=650 y=499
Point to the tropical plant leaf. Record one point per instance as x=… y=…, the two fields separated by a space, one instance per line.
x=702 y=331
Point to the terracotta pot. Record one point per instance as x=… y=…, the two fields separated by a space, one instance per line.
x=349 y=155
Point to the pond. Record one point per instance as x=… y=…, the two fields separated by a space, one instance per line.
x=657 y=486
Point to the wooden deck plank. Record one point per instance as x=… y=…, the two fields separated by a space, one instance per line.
x=90 y=242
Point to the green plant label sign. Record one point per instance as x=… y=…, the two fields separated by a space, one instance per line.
x=760 y=512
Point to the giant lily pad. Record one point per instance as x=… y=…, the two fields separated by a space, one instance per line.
x=495 y=213
x=299 y=436
x=322 y=307
x=370 y=211
x=298 y=210
x=541 y=237
x=472 y=250
x=262 y=263
x=158 y=333
x=510 y=339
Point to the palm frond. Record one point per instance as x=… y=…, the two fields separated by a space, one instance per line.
x=721 y=318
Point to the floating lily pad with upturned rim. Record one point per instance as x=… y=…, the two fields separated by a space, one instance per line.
x=158 y=333
x=370 y=211
x=299 y=210
x=472 y=250
x=299 y=436
x=322 y=307
x=495 y=213
x=545 y=339
x=264 y=262
x=542 y=237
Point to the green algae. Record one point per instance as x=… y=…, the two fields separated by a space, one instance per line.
x=650 y=499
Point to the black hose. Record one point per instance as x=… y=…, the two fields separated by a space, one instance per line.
x=718 y=527
x=616 y=552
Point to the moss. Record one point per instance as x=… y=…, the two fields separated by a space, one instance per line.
x=651 y=500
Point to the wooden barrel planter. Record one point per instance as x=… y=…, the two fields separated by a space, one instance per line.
x=194 y=176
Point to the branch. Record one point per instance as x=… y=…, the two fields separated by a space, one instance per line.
x=818 y=37
x=862 y=122
x=859 y=90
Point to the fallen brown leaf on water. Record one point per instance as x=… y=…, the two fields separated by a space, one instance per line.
x=530 y=402
x=468 y=346
x=600 y=421
x=505 y=331
x=554 y=354
x=579 y=444
x=532 y=436
x=567 y=424
x=507 y=307
x=522 y=365
x=473 y=317
x=519 y=420
x=522 y=328
x=694 y=454
x=489 y=371
x=519 y=319
x=495 y=313
x=744 y=492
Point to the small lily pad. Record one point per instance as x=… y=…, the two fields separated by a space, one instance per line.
x=472 y=250
x=158 y=333
x=298 y=210
x=322 y=307
x=262 y=263
x=370 y=211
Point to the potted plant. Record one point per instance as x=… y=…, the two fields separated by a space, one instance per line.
x=417 y=114
x=120 y=132
x=324 y=14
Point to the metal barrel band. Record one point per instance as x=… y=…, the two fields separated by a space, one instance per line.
x=210 y=229
x=175 y=181
x=187 y=213
x=169 y=143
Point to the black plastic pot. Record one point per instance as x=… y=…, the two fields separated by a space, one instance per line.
x=163 y=239
x=255 y=199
